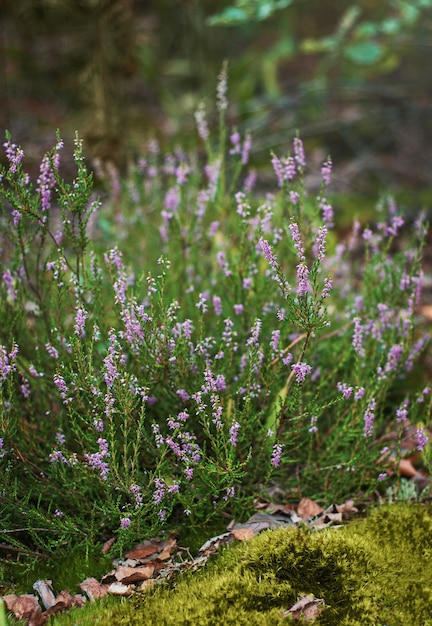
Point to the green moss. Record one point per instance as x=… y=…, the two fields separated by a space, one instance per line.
x=375 y=571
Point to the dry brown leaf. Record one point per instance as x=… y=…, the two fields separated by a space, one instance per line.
x=46 y=593
x=210 y=546
x=286 y=509
x=307 y=608
x=143 y=550
x=426 y=311
x=406 y=468
x=137 y=574
x=109 y=577
x=119 y=589
x=93 y=588
x=146 y=585
x=243 y=534
x=123 y=571
x=70 y=600
x=108 y=545
x=308 y=508
x=25 y=607
x=164 y=555
x=347 y=508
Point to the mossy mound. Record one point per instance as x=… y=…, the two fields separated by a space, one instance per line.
x=375 y=571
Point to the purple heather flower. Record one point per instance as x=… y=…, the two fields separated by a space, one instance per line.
x=182 y=172
x=223 y=263
x=213 y=228
x=250 y=181
x=275 y=338
x=299 y=155
x=344 y=389
x=327 y=212
x=402 y=411
x=276 y=454
x=201 y=122
x=294 y=196
x=326 y=171
x=319 y=248
x=393 y=358
x=236 y=143
x=221 y=89
x=60 y=438
x=14 y=155
x=298 y=243
x=9 y=282
x=233 y=432
x=247 y=144
x=289 y=168
x=57 y=456
x=16 y=215
x=53 y=352
x=125 y=522
x=95 y=459
x=357 y=340
x=46 y=182
x=172 y=201
x=243 y=208
x=58 y=513
x=328 y=284
x=396 y=223
x=367 y=234
x=369 y=417
x=183 y=395
x=254 y=334
x=301 y=370
x=303 y=284
x=268 y=253
x=160 y=491
x=359 y=393
x=59 y=382
x=278 y=168
x=98 y=425
x=313 y=428
x=422 y=439
x=230 y=493
x=80 y=318
x=382 y=476
x=217 y=305
x=238 y=309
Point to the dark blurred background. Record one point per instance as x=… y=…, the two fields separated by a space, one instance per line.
x=354 y=78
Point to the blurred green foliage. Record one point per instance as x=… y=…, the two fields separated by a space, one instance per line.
x=351 y=77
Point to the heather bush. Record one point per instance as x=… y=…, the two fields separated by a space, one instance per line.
x=166 y=355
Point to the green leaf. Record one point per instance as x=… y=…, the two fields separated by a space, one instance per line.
x=366 y=30
x=231 y=15
x=391 y=26
x=364 y=53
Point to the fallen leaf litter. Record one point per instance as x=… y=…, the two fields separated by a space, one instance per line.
x=155 y=561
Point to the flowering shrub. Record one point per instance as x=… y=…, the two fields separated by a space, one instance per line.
x=162 y=358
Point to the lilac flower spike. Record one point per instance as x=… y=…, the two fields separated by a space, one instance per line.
x=301 y=370
x=299 y=154
x=303 y=284
x=369 y=417
x=276 y=454
x=326 y=171
x=268 y=253
x=422 y=439
x=298 y=243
